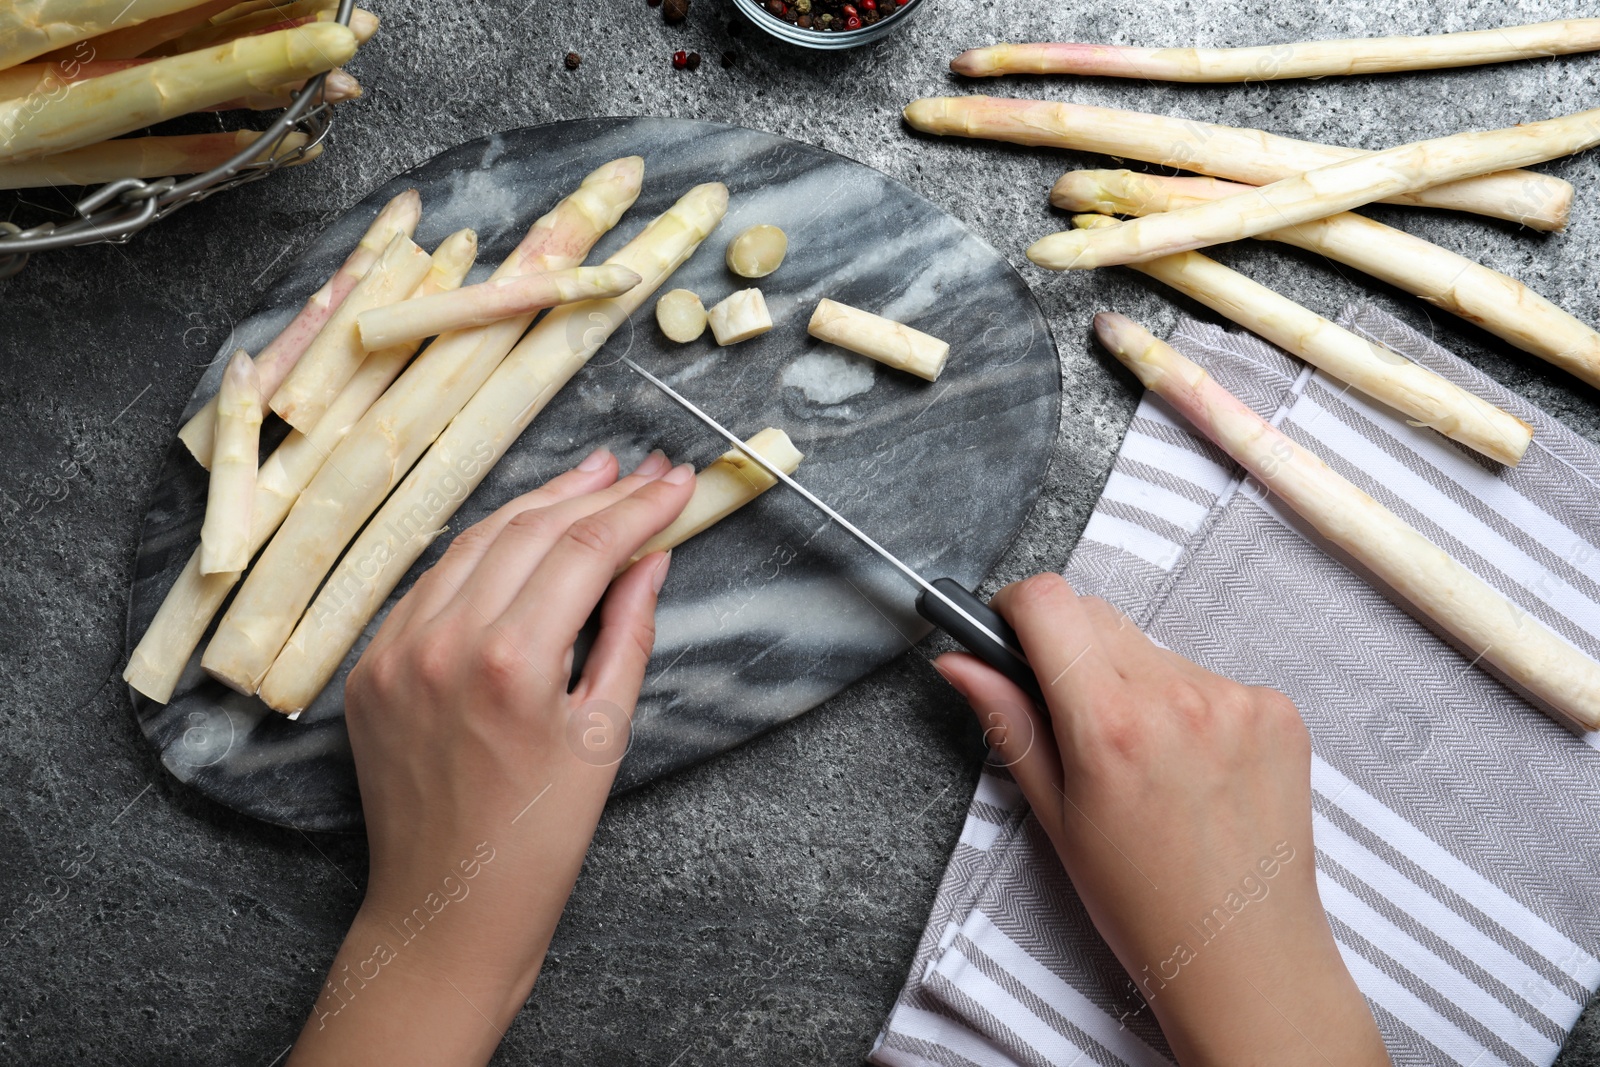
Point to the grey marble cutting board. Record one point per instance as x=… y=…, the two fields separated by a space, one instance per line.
x=772 y=612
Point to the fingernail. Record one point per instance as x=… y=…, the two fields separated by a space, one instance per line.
x=596 y=459
x=679 y=474
x=660 y=578
x=653 y=464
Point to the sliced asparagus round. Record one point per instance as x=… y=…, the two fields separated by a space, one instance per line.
x=757 y=252
x=681 y=315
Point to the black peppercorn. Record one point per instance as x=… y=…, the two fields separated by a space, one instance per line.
x=674 y=11
x=694 y=60
x=572 y=60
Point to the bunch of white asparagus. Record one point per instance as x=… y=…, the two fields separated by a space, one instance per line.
x=387 y=447
x=76 y=75
x=1301 y=193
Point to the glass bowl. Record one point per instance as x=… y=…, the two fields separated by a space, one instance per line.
x=826 y=40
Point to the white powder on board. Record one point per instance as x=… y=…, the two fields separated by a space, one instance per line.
x=827 y=377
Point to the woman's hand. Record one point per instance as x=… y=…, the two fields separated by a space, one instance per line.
x=481 y=777
x=1180 y=805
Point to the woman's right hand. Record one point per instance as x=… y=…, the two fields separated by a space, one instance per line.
x=1180 y=805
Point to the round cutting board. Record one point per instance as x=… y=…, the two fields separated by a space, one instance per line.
x=772 y=611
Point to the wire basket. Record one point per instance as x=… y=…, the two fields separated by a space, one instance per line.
x=118 y=210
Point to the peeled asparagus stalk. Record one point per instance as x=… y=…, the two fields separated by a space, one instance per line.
x=336 y=352
x=1500 y=304
x=376 y=454
x=1308 y=59
x=513 y=396
x=134 y=41
x=1319 y=193
x=225 y=533
x=89 y=111
x=727 y=484
x=47 y=78
x=274 y=362
x=1386 y=376
x=1463 y=604
x=158 y=661
x=889 y=342
x=141 y=157
x=739 y=317
x=491 y=301
x=29 y=29
x=1245 y=155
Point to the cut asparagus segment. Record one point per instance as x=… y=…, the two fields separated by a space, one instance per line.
x=86 y=112
x=739 y=317
x=376 y=454
x=888 y=342
x=158 y=661
x=1319 y=193
x=336 y=351
x=757 y=252
x=726 y=485
x=141 y=157
x=1386 y=376
x=491 y=301
x=1307 y=59
x=1463 y=604
x=1245 y=155
x=34 y=28
x=1500 y=304
x=681 y=315
x=513 y=396
x=273 y=364
x=225 y=533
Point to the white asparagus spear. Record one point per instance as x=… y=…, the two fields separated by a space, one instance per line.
x=727 y=484
x=47 y=79
x=1245 y=155
x=362 y=23
x=1500 y=304
x=336 y=352
x=1306 y=59
x=33 y=28
x=274 y=362
x=141 y=157
x=339 y=87
x=158 y=661
x=1319 y=193
x=458 y=461
x=888 y=342
x=1386 y=376
x=85 y=112
x=131 y=41
x=739 y=317
x=225 y=533
x=376 y=454
x=1467 y=607
x=491 y=301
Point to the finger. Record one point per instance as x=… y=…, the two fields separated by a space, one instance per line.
x=439 y=585
x=1065 y=646
x=615 y=669
x=551 y=606
x=528 y=536
x=1018 y=737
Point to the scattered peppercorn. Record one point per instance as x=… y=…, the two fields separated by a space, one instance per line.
x=680 y=59
x=674 y=11
x=694 y=60
x=572 y=60
x=729 y=59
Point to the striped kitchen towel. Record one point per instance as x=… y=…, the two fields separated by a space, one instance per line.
x=1456 y=826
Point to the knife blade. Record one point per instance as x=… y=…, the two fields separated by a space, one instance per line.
x=943 y=601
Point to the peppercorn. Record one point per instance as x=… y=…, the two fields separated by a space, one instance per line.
x=674 y=12
x=869 y=5
x=804 y=22
x=572 y=60
x=852 y=22
x=680 y=59
x=694 y=60
x=776 y=7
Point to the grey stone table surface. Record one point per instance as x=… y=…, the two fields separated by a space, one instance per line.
x=763 y=907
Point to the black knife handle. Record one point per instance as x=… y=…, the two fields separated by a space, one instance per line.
x=1003 y=659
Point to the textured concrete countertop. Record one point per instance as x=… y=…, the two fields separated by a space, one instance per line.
x=762 y=908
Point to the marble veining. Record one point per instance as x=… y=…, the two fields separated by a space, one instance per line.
x=773 y=611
